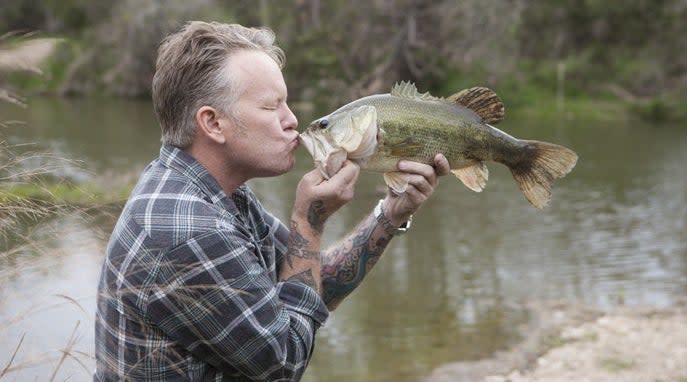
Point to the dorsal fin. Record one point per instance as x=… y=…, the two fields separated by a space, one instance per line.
x=482 y=101
x=408 y=90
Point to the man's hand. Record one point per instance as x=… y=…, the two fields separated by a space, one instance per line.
x=318 y=198
x=345 y=264
x=422 y=180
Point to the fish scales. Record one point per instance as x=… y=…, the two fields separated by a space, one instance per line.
x=380 y=130
x=439 y=127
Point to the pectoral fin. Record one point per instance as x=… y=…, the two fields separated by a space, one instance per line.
x=474 y=177
x=397 y=181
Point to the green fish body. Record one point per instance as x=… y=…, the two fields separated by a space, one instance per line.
x=416 y=126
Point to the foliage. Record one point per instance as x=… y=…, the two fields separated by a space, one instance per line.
x=63 y=193
x=52 y=16
x=610 y=50
x=22 y=54
x=119 y=53
x=660 y=109
x=631 y=43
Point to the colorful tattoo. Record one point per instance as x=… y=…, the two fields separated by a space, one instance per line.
x=345 y=266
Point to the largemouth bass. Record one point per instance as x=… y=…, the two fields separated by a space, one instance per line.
x=379 y=130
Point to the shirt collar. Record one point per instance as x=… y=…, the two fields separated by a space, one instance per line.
x=178 y=160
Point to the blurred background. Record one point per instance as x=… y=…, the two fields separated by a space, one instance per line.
x=606 y=79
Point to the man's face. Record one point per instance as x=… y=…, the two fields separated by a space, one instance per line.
x=262 y=137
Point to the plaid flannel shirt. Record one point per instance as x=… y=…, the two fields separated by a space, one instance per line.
x=189 y=290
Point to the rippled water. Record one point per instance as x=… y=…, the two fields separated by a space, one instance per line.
x=447 y=291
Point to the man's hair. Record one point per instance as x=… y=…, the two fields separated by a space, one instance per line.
x=190 y=72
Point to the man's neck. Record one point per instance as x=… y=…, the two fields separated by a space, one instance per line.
x=228 y=178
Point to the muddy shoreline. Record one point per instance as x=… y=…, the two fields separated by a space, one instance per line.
x=571 y=342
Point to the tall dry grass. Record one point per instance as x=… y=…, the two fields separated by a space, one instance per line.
x=20 y=54
x=21 y=164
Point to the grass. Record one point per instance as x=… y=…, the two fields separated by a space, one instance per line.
x=13 y=264
x=24 y=250
x=7 y=367
x=28 y=186
x=558 y=341
x=573 y=109
x=616 y=365
x=18 y=362
x=59 y=193
x=27 y=193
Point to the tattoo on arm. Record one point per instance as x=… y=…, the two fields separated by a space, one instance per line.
x=346 y=265
x=299 y=249
x=315 y=215
x=306 y=278
x=298 y=246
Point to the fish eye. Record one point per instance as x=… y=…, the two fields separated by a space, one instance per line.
x=323 y=123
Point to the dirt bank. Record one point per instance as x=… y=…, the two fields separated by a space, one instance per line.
x=565 y=342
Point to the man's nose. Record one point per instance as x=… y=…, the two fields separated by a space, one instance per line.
x=290 y=122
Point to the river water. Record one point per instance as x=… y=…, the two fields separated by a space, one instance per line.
x=449 y=290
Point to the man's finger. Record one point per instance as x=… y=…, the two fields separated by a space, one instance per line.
x=346 y=175
x=441 y=165
x=313 y=177
x=416 y=196
x=421 y=183
x=422 y=169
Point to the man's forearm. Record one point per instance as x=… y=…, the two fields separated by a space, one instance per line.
x=302 y=260
x=345 y=265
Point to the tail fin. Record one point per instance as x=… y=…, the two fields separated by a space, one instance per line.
x=545 y=163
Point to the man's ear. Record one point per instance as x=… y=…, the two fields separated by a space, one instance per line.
x=211 y=123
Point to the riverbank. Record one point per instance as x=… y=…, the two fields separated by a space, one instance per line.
x=569 y=342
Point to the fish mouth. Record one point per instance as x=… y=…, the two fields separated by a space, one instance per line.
x=328 y=159
x=307 y=141
x=358 y=142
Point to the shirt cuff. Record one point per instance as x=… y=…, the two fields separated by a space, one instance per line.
x=303 y=299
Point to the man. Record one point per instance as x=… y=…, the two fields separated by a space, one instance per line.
x=199 y=281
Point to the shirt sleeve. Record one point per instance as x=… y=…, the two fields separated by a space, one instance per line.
x=213 y=297
x=280 y=233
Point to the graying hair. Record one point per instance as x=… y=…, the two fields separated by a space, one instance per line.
x=190 y=72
